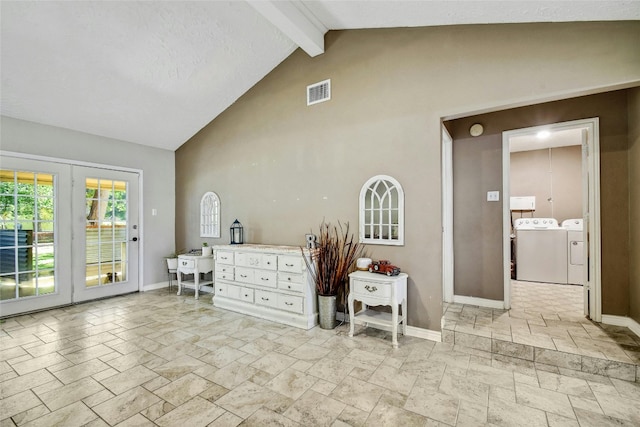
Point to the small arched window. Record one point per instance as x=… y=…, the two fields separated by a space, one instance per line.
x=382 y=211
x=210 y=215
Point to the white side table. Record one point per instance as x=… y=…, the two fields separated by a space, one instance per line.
x=194 y=264
x=376 y=289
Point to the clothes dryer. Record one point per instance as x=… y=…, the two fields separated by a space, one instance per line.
x=541 y=250
x=575 y=250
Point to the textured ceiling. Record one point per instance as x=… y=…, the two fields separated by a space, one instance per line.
x=155 y=73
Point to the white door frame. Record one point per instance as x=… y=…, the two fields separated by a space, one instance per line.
x=109 y=167
x=591 y=209
x=447 y=216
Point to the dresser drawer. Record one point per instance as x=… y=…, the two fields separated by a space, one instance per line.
x=228 y=291
x=266 y=298
x=371 y=289
x=247 y=259
x=246 y=294
x=244 y=275
x=269 y=262
x=224 y=257
x=290 y=303
x=290 y=263
x=222 y=275
x=224 y=269
x=290 y=281
x=186 y=263
x=265 y=278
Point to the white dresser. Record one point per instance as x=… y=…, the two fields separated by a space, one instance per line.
x=377 y=289
x=196 y=265
x=270 y=282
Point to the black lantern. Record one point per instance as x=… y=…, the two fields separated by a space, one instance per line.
x=236 y=233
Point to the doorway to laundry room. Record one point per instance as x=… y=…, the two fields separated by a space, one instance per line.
x=549 y=187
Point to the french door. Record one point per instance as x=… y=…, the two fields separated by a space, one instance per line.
x=67 y=234
x=105 y=233
x=35 y=243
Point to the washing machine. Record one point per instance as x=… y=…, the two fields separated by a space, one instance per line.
x=541 y=250
x=575 y=250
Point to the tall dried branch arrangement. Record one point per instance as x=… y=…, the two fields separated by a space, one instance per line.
x=333 y=258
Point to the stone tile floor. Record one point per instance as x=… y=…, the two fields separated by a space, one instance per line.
x=158 y=359
x=546 y=316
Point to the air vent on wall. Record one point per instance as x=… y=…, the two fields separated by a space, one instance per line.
x=319 y=92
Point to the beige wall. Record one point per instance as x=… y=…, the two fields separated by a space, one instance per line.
x=281 y=167
x=473 y=176
x=634 y=203
x=553 y=173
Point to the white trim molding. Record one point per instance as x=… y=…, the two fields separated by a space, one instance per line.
x=480 y=302
x=412 y=331
x=630 y=323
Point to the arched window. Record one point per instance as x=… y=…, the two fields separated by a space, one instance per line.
x=210 y=215
x=382 y=211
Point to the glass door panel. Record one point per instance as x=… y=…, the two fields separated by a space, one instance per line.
x=109 y=200
x=30 y=213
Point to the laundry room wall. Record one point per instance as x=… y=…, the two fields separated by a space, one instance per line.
x=553 y=176
x=634 y=202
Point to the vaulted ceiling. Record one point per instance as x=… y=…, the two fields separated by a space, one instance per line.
x=156 y=72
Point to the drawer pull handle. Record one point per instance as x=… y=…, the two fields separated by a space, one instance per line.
x=370 y=288
x=268 y=263
x=223 y=257
x=243 y=276
x=288 y=303
x=288 y=265
x=265 y=299
x=266 y=279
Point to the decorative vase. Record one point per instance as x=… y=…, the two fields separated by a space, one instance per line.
x=327 y=311
x=172 y=264
x=207 y=251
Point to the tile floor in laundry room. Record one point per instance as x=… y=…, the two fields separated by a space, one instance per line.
x=155 y=358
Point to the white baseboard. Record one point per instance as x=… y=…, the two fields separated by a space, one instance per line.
x=412 y=331
x=480 y=302
x=153 y=286
x=622 y=321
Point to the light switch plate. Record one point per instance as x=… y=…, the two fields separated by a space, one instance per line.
x=493 y=196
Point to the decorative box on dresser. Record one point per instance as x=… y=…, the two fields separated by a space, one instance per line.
x=270 y=282
x=374 y=289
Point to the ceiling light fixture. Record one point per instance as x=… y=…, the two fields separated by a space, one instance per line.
x=543 y=134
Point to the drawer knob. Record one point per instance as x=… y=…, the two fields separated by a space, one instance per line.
x=289 y=278
x=289 y=287
x=370 y=288
x=246 y=295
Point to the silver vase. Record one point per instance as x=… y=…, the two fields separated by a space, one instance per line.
x=327 y=311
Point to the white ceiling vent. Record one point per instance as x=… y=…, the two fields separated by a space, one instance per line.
x=319 y=92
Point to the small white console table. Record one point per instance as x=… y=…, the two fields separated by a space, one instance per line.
x=374 y=289
x=194 y=264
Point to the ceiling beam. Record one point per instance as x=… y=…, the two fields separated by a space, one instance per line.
x=296 y=22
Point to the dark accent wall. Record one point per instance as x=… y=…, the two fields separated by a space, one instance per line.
x=634 y=203
x=478 y=169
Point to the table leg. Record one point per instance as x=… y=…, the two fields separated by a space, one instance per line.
x=196 y=282
x=404 y=316
x=394 y=321
x=351 y=314
x=179 y=282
